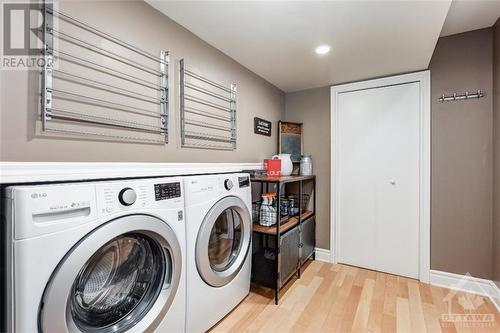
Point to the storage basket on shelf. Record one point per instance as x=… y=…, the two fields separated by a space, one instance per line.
x=289 y=207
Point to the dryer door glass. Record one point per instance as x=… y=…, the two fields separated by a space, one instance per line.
x=119 y=284
x=225 y=240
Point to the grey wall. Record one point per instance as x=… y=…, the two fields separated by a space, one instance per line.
x=496 y=149
x=138 y=23
x=462 y=155
x=312 y=108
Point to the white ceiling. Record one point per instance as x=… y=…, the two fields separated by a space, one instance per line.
x=277 y=39
x=467 y=15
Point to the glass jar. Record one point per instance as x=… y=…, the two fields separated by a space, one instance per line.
x=293 y=209
x=284 y=207
x=306 y=167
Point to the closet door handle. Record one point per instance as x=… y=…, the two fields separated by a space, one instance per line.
x=392 y=182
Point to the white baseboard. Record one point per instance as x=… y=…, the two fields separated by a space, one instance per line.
x=322 y=254
x=467 y=283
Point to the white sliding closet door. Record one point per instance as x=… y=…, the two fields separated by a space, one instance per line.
x=378 y=178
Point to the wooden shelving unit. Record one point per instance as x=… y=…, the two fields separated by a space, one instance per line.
x=288 y=224
x=280 y=250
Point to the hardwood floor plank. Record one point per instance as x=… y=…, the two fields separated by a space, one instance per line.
x=311 y=270
x=402 y=287
x=416 y=310
x=377 y=305
x=425 y=293
x=342 y=298
x=359 y=281
x=431 y=316
x=392 y=287
x=287 y=324
x=312 y=317
x=251 y=313
x=360 y=323
x=349 y=312
x=441 y=309
x=388 y=323
x=403 y=321
x=335 y=314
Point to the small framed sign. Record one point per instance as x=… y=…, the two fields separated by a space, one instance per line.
x=261 y=126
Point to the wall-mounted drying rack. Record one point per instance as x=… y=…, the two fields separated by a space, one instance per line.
x=456 y=97
x=98 y=86
x=208 y=112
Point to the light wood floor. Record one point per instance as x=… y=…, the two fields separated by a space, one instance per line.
x=340 y=298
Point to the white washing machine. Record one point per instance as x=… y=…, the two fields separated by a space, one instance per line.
x=96 y=256
x=218 y=238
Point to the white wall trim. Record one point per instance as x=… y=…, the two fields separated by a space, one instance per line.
x=423 y=78
x=322 y=254
x=468 y=284
x=30 y=172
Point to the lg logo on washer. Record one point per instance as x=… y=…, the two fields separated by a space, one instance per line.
x=38 y=195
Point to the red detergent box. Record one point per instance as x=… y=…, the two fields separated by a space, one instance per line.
x=273 y=167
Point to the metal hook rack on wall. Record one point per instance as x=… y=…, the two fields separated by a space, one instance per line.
x=458 y=97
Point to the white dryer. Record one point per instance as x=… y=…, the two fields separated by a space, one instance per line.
x=218 y=238
x=96 y=256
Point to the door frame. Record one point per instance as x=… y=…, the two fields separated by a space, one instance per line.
x=423 y=78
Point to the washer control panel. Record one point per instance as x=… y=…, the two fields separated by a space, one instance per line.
x=118 y=196
x=167 y=191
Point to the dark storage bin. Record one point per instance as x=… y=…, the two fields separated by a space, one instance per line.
x=289 y=250
x=261 y=268
x=308 y=239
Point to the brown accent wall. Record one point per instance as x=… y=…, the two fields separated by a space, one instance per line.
x=496 y=154
x=312 y=108
x=138 y=23
x=462 y=155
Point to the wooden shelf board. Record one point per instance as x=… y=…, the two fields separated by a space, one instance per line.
x=284 y=179
x=288 y=224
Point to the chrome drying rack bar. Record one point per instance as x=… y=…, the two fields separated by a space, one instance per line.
x=208 y=112
x=51 y=115
x=458 y=97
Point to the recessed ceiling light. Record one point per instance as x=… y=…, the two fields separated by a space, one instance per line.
x=322 y=49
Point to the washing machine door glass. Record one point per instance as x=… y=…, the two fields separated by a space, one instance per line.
x=122 y=276
x=120 y=281
x=223 y=241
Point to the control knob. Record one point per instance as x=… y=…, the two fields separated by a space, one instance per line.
x=228 y=184
x=127 y=196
